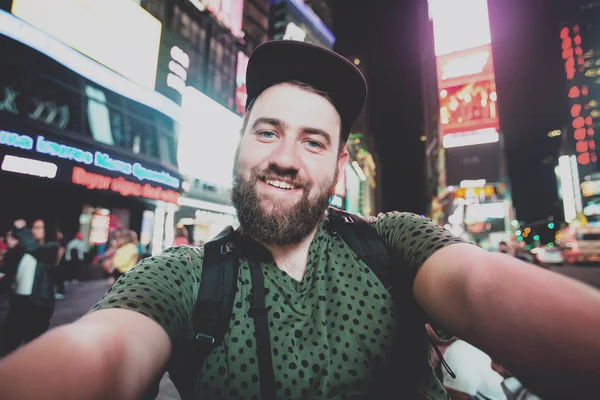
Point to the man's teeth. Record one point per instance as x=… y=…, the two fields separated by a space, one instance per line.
x=280 y=184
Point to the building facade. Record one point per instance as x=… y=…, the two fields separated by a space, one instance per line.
x=467 y=180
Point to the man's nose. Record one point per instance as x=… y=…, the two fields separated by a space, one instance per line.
x=286 y=156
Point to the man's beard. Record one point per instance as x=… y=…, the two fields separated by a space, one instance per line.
x=283 y=225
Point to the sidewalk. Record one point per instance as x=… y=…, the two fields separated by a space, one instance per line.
x=79 y=300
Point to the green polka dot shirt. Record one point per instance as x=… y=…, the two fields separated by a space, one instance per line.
x=332 y=334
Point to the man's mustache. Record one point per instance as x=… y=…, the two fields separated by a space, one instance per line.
x=289 y=176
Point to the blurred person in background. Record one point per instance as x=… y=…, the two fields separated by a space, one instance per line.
x=32 y=302
x=60 y=270
x=181 y=236
x=74 y=256
x=10 y=262
x=69 y=264
x=126 y=256
x=503 y=248
x=105 y=259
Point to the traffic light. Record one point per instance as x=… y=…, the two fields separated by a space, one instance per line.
x=519 y=238
x=551 y=225
x=536 y=237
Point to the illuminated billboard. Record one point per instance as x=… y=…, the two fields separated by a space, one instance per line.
x=209 y=137
x=469 y=107
x=117 y=33
x=465 y=66
x=459 y=24
x=465 y=72
x=228 y=12
x=581 y=74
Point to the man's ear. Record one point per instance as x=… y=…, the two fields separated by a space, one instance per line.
x=341 y=166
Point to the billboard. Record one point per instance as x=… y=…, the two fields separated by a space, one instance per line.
x=469 y=107
x=208 y=139
x=228 y=12
x=465 y=66
x=581 y=69
x=117 y=33
x=459 y=24
x=465 y=72
x=473 y=162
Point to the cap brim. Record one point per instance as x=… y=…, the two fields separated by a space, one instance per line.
x=289 y=60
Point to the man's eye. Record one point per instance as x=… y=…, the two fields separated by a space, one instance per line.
x=267 y=134
x=314 y=144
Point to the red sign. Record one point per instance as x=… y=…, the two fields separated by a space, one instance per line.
x=228 y=12
x=122 y=186
x=240 y=83
x=466 y=66
x=582 y=122
x=469 y=107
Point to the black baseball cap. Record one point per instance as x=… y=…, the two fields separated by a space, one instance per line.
x=280 y=61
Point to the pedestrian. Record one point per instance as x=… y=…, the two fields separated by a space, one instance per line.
x=32 y=301
x=10 y=263
x=126 y=255
x=310 y=318
x=181 y=236
x=74 y=256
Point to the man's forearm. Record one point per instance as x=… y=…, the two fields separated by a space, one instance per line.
x=535 y=321
x=65 y=364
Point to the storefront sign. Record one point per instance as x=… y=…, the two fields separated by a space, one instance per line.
x=98 y=158
x=27 y=166
x=122 y=186
x=36 y=108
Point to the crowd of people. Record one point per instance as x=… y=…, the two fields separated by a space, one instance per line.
x=37 y=263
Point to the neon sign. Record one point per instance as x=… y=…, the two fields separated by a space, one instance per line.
x=122 y=186
x=63 y=151
x=98 y=159
x=15 y=140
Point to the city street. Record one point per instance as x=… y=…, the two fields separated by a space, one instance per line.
x=82 y=296
x=588 y=274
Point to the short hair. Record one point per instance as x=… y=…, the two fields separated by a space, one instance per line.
x=129 y=236
x=344 y=134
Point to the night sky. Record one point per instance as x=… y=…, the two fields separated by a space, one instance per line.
x=530 y=82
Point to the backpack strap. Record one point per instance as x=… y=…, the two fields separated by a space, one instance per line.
x=364 y=240
x=217 y=289
x=258 y=312
x=368 y=246
x=213 y=309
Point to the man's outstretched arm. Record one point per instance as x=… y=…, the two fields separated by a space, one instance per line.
x=542 y=326
x=108 y=354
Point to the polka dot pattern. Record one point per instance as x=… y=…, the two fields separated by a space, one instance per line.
x=331 y=334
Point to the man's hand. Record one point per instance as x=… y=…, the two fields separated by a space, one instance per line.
x=20 y=223
x=541 y=325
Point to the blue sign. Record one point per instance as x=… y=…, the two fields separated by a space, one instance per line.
x=99 y=159
x=15 y=140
